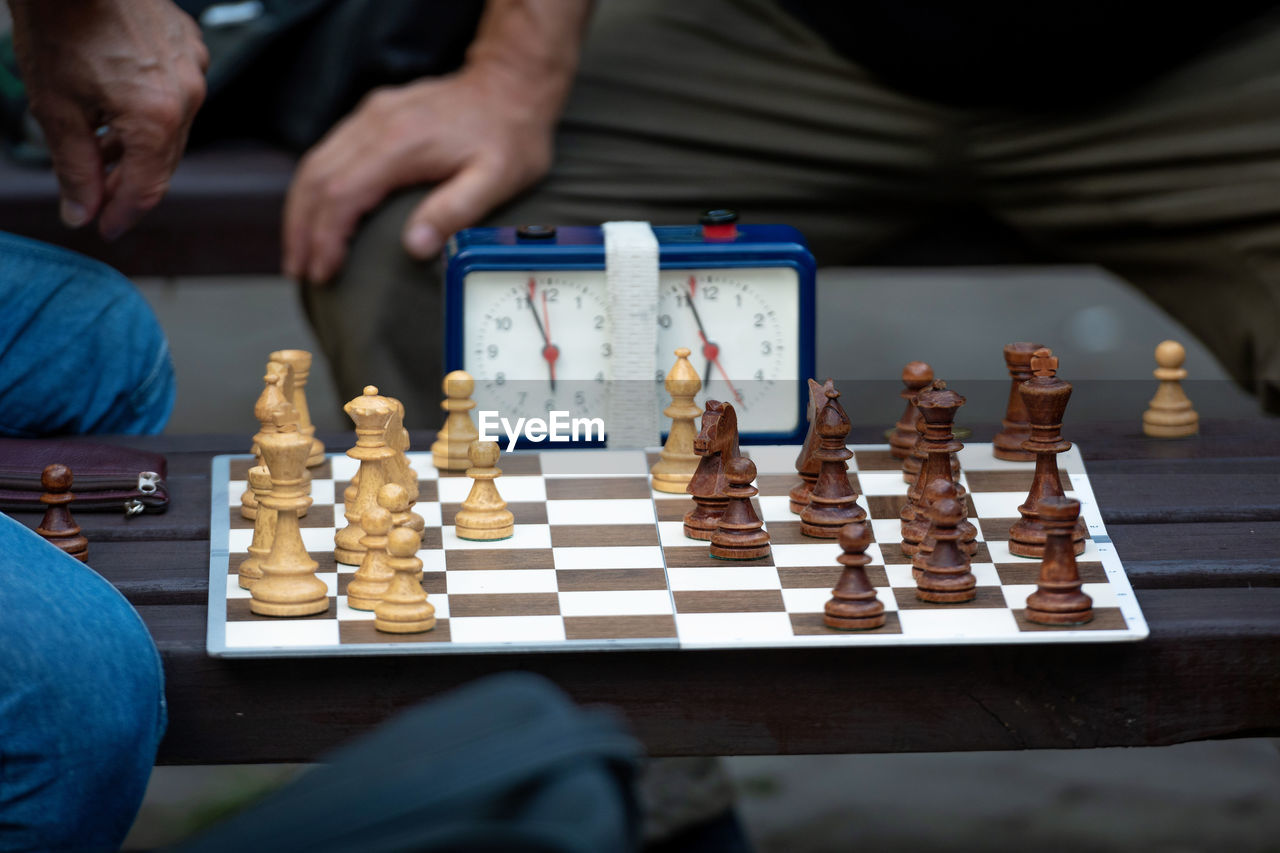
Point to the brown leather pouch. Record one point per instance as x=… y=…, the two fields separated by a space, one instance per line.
x=107 y=478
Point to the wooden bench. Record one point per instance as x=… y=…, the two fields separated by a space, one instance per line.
x=1197 y=523
x=222 y=216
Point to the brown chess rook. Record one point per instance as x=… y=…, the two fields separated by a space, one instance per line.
x=1016 y=429
x=1058 y=599
x=1045 y=396
x=853 y=605
x=833 y=503
x=916 y=376
x=807 y=464
x=938 y=406
x=58 y=527
x=740 y=534
x=716 y=443
x=944 y=574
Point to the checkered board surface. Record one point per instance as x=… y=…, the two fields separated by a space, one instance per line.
x=600 y=561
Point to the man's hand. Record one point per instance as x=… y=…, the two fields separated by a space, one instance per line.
x=115 y=85
x=480 y=135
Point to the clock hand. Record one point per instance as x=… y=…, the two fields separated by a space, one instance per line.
x=550 y=351
x=712 y=352
x=708 y=348
x=536 y=319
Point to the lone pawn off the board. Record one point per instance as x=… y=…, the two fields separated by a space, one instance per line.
x=58 y=527
x=677 y=461
x=1170 y=415
x=449 y=452
x=484 y=515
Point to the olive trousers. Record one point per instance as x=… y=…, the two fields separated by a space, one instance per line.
x=679 y=106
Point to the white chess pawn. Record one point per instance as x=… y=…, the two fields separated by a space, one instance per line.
x=484 y=515
x=1170 y=414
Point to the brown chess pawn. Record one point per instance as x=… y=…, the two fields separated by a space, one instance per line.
x=58 y=527
x=741 y=534
x=404 y=608
x=938 y=406
x=1058 y=599
x=853 y=605
x=1045 y=396
x=944 y=574
x=941 y=489
x=916 y=376
x=1007 y=443
x=833 y=503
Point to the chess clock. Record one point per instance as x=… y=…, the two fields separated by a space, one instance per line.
x=528 y=316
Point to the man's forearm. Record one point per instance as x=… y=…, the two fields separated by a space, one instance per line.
x=535 y=41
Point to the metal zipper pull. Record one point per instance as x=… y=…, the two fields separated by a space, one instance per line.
x=148 y=482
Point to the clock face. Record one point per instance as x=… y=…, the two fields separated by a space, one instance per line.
x=742 y=325
x=540 y=341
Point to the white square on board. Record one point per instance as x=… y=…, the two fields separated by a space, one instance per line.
x=506 y=629
x=631 y=602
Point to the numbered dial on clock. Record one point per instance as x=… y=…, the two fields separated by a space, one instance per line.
x=741 y=325
x=539 y=342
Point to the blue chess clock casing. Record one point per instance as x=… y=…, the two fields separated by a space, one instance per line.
x=528 y=316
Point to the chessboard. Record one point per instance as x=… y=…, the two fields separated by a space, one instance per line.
x=569 y=580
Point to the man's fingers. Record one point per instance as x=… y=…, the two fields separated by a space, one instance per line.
x=78 y=165
x=138 y=183
x=458 y=203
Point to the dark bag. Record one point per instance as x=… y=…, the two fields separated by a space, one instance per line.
x=504 y=764
x=107 y=478
x=285 y=71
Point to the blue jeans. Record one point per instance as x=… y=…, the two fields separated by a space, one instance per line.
x=81 y=701
x=80 y=350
